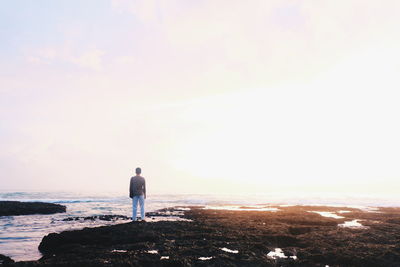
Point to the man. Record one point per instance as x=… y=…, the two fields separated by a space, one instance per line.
x=137 y=191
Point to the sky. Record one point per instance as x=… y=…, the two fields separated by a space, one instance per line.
x=206 y=96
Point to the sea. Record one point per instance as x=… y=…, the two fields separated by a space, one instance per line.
x=20 y=236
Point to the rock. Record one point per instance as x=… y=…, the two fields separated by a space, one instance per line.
x=98 y=217
x=231 y=238
x=299 y=230
x=12 y=208
x=4 y=260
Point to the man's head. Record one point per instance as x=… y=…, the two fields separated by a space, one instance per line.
x=138 y=171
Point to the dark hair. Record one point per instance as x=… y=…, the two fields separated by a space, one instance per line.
x=138 y=170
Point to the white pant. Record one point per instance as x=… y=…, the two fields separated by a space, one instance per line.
x=135 y=200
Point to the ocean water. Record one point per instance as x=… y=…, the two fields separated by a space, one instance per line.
x=20 y=236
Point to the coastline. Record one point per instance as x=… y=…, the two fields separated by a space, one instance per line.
x=257 y=235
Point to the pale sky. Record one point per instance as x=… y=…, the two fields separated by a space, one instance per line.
x=206 y=96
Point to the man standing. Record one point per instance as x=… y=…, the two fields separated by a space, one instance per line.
x=137 y=191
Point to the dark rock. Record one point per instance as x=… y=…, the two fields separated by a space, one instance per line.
x=98 y=217
x=12 y=208
x=315 y=240
x=282 y=240
x=4 y=260
x=299 y=230
x=393 y=220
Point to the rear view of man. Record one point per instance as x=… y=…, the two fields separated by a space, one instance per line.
x=137 y=191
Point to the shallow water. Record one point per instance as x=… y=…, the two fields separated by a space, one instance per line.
x=205 y=258
x=20 y=236
x=118 y=251
x=352 y=224
x=242 y=208
x=328 y=214
x=278 y=253
x=229 y=250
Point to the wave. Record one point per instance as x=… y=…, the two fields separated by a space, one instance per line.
x=198 y=199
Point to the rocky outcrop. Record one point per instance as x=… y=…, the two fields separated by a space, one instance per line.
x=4 y=260
x=98 y=217
x=291 y=236
x=12 y=208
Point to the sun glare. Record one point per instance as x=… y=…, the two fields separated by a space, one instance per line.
x=309 y=134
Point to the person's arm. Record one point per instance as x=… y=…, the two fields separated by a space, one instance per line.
x=144 y=188
x=130 y=189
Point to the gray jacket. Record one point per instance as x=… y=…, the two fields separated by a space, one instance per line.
x=137 y=186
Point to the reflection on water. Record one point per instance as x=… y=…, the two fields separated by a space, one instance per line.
x=167 y=219
x=241 y=208
x=328 y=214
x=229 y=250
x=205 y=258
x=278 y=253
x=352 y=224
x=118 y=251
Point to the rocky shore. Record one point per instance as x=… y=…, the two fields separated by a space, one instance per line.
x=13 y=208
x=4 y=260
x=240 y=236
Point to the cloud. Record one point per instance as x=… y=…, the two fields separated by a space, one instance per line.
x=327 y=86
x=144 y=10
x=91 y=58
x=264 y=40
